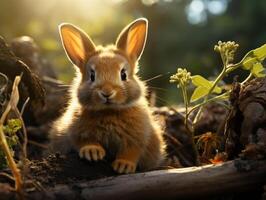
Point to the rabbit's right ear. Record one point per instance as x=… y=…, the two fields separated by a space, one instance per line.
x=77 y=44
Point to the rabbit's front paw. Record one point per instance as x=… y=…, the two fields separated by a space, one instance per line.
x=92 y=152
x=124 y=166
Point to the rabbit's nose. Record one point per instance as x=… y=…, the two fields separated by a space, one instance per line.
x=107 y=95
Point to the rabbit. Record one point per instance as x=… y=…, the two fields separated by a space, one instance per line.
x=108 y=112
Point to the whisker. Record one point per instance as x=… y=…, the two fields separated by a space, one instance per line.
x=157 y=88
x=155 y=77
x=63 y=89
x=161 y=100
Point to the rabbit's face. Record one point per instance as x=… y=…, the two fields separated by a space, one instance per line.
x=108 y=81
x=108 y=73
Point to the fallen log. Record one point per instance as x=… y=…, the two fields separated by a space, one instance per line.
x=186 y=183
x=233 y=177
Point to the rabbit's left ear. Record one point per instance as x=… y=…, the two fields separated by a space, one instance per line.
x=132 y=39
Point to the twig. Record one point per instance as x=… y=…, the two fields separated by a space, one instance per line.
x=174 y=140
x=7 y=175
x=25 y=136
x=38 y=144
x=24 y=105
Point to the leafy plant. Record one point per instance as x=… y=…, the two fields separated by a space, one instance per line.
x=204 y=88
x=207 y=91
x=11 y=127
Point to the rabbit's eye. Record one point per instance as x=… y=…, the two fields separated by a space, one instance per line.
x=92 y=75
x=123 y=75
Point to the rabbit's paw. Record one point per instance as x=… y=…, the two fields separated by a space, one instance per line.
x=124 y=166
x=92 y=152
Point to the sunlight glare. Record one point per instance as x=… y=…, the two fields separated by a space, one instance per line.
x=196 y=12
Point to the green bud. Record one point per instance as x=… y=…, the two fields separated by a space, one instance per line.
x=182 y=77
x=227 y=50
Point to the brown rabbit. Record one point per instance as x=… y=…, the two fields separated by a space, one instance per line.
x=108 y=111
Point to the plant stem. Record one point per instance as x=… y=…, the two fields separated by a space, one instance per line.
x=185 y=98
x=220 y=97
x=233 y=67
x=216 y=81
x=184 y=93
x=247 y=79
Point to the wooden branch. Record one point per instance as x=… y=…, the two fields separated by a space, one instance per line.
x=230 y=178
x=192 y=182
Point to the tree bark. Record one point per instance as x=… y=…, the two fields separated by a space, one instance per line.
x=233 y=177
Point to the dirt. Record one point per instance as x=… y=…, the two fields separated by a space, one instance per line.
x=58 y=173
x=66 y=169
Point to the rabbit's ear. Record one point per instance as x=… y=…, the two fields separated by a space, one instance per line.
x=132 y=39
x=77 y=44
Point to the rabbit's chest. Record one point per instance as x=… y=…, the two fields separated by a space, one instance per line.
x=126 y=124
x=111 y=125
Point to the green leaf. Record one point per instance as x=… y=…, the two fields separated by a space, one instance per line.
x=260 y=52
x=13 y=125
x=217 y=90
x=249 y=62
x=258 y=70
x=198 y=93
x=200 y=81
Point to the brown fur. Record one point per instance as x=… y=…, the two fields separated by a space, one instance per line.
x=124 y=127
